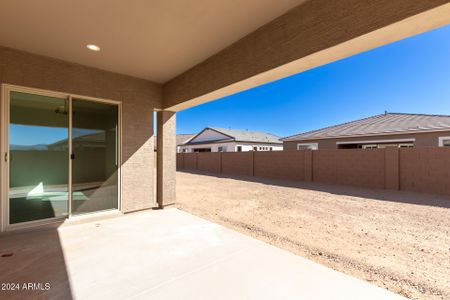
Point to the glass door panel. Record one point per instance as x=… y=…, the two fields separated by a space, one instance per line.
x=38 y=162
x=94 y=156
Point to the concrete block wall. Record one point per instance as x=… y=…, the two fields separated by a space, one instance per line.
x=308 y=165
x=209 y=162
x=189 y=160
x=280 y=164
x=424 y=170
x=350 y=167
x=237 y=163
x=392 y=169
x=180 y=162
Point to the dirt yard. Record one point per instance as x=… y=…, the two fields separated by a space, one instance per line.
x=396 y=240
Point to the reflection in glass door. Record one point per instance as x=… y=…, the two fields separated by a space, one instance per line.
x=94 y=156
x=38 y=157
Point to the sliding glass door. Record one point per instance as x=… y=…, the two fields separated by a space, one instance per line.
x=62 y=157
x=38 y=153
x=94 y=156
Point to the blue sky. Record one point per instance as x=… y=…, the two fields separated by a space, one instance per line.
x=32 y=135
x=27 y=135
x=412 y=75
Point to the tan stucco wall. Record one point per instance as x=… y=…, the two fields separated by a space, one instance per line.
x=166 y=157
x=422 y=140
x=139 y=99
x=312 y=34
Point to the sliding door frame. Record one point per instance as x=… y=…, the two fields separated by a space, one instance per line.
x=5 y=155
x=119 y=153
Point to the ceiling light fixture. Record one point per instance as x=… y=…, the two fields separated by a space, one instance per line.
x=93 y=47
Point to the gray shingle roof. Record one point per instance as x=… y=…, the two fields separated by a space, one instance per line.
x=388 y=123
x=248 y=136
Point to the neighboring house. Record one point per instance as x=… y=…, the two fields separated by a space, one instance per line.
x=180 y=140
x=231 y=140
x=183 y=138
x=380 y=131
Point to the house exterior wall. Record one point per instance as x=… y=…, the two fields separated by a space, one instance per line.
x=430 y=139
x=230 y=147
x=139 y=98
x=249 y=147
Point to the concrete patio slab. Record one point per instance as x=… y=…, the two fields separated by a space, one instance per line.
x=165 y=254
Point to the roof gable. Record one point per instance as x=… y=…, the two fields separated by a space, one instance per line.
x=250 y=136
x=209 y=135
x=212 y=135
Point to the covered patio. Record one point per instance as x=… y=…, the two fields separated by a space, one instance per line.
x=80 y=84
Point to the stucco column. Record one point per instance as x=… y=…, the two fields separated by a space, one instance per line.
x=166 y=158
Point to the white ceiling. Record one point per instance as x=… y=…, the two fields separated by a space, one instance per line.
x=150 y=39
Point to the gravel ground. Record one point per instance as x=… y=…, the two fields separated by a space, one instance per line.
x=396 y=240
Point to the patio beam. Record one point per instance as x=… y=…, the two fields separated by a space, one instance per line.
x=312 y=34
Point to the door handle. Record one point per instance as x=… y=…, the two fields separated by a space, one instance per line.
x=6 y=156
x=72 y=156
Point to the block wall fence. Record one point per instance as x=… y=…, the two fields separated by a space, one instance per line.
x=425 y=170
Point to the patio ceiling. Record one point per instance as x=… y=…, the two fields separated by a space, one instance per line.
x=150 y=39
x=202 y=50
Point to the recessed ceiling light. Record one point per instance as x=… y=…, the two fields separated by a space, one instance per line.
x=93 y=47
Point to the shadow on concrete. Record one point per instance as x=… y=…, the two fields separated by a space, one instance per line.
x=33 y=263
x=377 y=194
